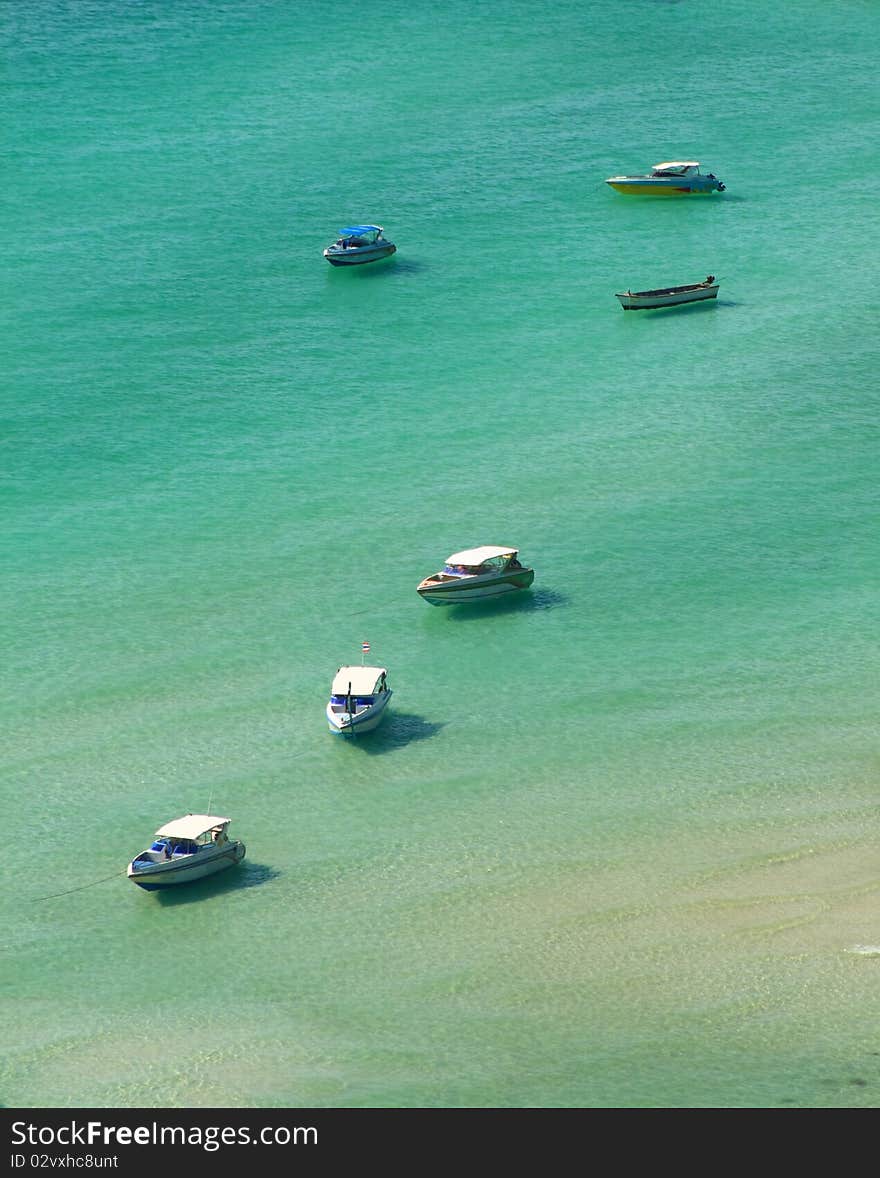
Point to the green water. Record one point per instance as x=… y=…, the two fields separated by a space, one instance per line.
x=614 y=844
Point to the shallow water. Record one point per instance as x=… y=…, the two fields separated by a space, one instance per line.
x=614 y=843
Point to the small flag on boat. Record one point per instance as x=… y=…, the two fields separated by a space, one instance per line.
x=365 y=647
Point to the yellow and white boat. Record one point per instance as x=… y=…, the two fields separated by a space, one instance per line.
x=673 y=178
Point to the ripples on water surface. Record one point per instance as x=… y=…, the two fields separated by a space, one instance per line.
x=614 y=845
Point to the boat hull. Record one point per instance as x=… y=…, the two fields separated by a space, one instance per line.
x=172 y=873
x=650 y=299
x=460 y=589
x=645 y=187
x=344 y=724
x=359 y=257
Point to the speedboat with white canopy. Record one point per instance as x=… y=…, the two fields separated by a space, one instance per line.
x=672 y=178
x=184 y=850
x=359 y=698
x=358 y=244
x=488 y=571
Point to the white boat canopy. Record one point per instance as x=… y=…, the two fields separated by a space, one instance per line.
x=475 y=556
x=677 y=164
x=362 y=680
x=191 y=826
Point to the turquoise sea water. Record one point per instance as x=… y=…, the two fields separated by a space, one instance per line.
x=615 y=844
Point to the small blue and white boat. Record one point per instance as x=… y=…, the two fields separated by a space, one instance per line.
x=359 y=698
x=359 y=244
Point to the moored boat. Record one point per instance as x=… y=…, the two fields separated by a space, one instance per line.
x=359 y=244
x=359 y=698
x=668 y=296
x=185 y=850
x=488 y=571
x=673 y=178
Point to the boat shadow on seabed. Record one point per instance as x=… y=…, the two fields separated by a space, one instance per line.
x=696 y=308
x=246 y=874
x=397 y=731
x=530 y=601
x=382 y=269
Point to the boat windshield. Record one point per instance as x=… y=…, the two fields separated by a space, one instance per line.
x=673 y=169
x=492 y=564
x=177 y=847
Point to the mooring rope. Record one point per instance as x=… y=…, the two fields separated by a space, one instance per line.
x=55 y=895
x=309 y=748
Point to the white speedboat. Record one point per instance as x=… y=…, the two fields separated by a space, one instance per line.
x=668 y=296
x=489 y=571
x=184 y=850
x=359 y=244
x=673 y=178
x=359 y=698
